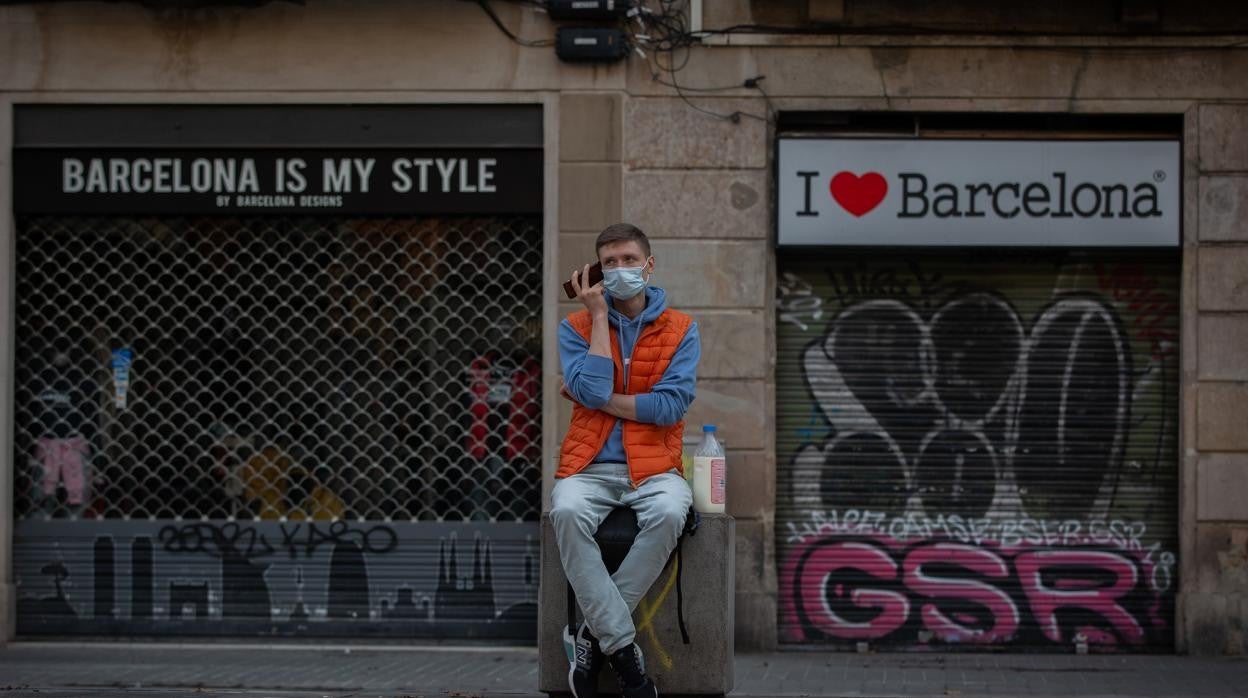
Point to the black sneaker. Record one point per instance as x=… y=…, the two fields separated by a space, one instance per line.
x=587 y=659
x=630 y=666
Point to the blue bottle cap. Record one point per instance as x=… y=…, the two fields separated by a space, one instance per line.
x=708 y=427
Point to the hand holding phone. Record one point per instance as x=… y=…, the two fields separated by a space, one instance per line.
x=595 y=276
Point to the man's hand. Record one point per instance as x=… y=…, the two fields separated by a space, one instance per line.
x=592 y=296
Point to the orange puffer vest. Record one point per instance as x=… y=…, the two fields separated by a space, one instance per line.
x=651 y=449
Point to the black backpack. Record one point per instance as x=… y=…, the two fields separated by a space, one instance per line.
x=615 y=537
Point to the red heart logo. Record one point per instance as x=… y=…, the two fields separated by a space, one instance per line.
x=858 y=195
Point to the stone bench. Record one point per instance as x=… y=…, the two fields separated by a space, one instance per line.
x=703 y=667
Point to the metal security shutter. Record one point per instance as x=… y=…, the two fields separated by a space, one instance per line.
x=331 y=426
x=978 y=449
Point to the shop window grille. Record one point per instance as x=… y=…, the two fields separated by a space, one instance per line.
x=297 y=368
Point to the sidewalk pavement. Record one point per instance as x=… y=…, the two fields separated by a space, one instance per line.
x=108 y=669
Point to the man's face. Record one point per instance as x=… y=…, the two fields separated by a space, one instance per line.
x=626 y=253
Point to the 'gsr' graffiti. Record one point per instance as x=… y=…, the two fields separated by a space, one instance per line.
x=868 y=588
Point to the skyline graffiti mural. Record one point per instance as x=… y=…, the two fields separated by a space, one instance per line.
x=980 y=451
x=317 y=579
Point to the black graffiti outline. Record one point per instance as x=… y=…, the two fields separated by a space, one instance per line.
x=1093 y=308
x=218 y=539
x=827 y=384
x=338 y=532
x=215 y=540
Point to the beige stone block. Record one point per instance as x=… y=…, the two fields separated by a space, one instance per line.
x=590 y=127
x=667 y=133
x=979 y=73
x=734 y=344
x=712 y=274
x=1222 y=143
x=755 y=629
x=575 y=251
x=1191 y=176
x=737 y=407
x=1224 y=209
x=791 y=72
x=1221 y=479
x=564 y=419
x=1160 y=75
x=589 y=196
x=726 y=13
x=751 y=485
x=699 y=204
x=720 y=68
x=992 y=74
x=756 y=567
x=1205 y=623
x=566 y=308
x=337 y=44
x=1221 y=552
x=1220 y=415
x=1223 y=347
x=1223 y=282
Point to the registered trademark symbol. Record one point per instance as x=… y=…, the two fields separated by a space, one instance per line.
x=1159 y=176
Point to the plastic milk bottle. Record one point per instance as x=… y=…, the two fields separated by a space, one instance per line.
x=710 y=478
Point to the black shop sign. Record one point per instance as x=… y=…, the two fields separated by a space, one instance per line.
x=306 y=181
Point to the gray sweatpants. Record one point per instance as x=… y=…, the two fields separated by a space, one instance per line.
x=578 y=505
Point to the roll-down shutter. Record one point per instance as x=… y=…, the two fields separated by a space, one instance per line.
x=978 y=449
x=269 y=383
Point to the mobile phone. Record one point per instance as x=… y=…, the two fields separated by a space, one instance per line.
x=595 y=275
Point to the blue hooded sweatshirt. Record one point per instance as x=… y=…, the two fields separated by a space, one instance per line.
x=591 y=379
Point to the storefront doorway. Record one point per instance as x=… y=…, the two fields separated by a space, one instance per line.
x=978 y=443
x=252 y=410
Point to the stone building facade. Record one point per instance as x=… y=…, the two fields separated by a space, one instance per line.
x=618 y=144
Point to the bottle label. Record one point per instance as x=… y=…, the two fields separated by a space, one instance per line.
x=719 y=483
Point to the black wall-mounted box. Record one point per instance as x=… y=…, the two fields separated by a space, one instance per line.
x=590 y=44
x=588 y=10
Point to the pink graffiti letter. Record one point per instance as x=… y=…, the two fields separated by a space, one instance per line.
x=977 y=560
x=813 y=578
x=1074 y=591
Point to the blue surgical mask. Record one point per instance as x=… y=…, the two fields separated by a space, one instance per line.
x=624 y=282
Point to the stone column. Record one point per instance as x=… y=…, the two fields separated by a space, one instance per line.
x=1215 y=605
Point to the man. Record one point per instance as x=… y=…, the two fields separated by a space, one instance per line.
x=629 y=366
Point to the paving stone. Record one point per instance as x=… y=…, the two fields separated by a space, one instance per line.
x=76 y=669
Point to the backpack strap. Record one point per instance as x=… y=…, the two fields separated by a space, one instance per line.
x=692 y=520
x=680 y=594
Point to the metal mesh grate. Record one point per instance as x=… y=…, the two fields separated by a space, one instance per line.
x=359 y=368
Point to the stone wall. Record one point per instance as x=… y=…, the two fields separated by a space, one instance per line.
x=1216 y=580
x=630 y=148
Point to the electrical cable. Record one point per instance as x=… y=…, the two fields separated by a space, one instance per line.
x=485 y=5
x=666 y=36
x=665 y=44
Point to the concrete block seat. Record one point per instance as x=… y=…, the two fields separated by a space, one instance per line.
x=704 y=667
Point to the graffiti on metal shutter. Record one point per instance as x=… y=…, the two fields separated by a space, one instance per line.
x=291 y=578
x=987 y=455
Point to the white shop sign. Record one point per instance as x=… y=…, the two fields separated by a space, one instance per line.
x=978 y=192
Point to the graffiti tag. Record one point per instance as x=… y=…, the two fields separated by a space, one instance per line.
x=876 y=588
